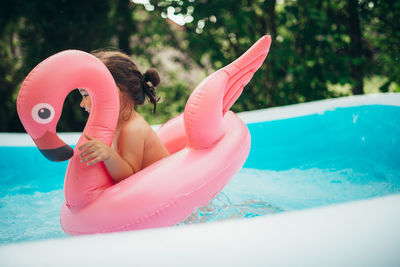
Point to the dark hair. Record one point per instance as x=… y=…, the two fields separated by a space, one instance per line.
x=128 y=77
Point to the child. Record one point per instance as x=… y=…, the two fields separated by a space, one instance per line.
x=135 y=145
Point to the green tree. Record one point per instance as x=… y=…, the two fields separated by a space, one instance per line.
x=381 y=26
x=315 y=44
x=9 y=65
x=220 y=32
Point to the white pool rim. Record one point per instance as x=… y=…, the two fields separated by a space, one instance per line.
x=358 y=233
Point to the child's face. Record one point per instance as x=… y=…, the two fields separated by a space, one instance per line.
x=86 y=103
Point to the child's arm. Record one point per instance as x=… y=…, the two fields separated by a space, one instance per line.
x=118 y=166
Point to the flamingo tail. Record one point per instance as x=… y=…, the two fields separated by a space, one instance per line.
x=214 y=96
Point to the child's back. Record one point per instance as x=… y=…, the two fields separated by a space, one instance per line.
x=136 y=140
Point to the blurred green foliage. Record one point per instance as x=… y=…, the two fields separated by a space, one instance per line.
x=317 y=45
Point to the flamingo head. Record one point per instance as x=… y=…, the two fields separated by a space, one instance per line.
x=39 y=110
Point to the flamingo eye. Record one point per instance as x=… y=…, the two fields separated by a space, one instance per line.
x=43 y=113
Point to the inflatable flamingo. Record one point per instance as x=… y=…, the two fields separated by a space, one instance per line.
x=208 y=143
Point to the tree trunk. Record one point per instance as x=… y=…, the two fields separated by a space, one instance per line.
x=270 y=83
x=124 y=24
x=355 y=47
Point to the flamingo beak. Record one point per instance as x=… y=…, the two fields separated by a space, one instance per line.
x=53 y=148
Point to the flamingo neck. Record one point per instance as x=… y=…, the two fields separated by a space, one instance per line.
x=83 y=183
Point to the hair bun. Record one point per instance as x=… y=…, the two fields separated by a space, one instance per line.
x=151 y=75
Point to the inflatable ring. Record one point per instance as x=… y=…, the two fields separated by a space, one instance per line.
x=208 y=143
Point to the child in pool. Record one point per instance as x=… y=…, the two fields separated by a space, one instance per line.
x=135 y=145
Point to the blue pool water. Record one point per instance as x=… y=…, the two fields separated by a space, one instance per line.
x=315 y=160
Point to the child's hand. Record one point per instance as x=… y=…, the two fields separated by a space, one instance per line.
x=94 y=151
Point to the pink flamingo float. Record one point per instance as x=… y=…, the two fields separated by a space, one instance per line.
x=208 y=143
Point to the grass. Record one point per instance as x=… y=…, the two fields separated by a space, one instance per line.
x=372 y=85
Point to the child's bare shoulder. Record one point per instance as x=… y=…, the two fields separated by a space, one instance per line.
x=136 y=127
